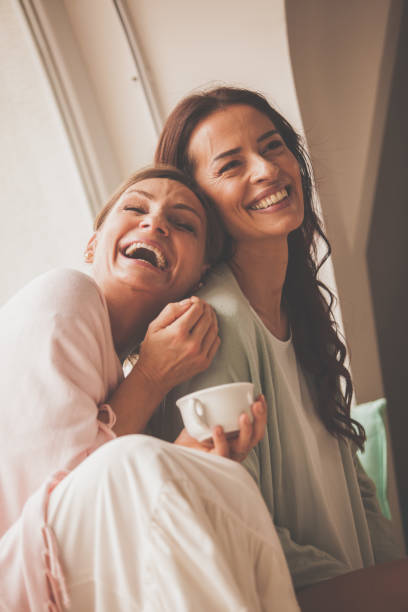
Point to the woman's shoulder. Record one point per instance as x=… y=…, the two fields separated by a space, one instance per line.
x=66 y=280
x=223 y=293
x=58 y=291
x=239 y=328
x=73 y=286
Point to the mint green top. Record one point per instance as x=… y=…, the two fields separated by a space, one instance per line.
x=322 y=503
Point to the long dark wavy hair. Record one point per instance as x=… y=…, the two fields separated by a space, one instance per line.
x=307 y=300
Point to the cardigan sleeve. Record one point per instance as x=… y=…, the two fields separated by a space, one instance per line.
x=75 y=358
x=382 y=539
x=60 y=367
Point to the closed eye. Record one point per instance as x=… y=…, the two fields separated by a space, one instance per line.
x=184 y=226
x=139 y=209
x=234 y=163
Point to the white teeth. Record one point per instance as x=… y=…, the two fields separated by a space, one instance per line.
x=159 y=256
x=270 y=200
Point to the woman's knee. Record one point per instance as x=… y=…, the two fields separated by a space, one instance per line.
x=126 y=448
x=127 y=471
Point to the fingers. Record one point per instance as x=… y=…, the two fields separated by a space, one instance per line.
x=202 y=320
x=183 y=439
x=190 y=317
x=259 y=412
x=206 y=330
x=203 y=323
x=221 y=446
x=170 y=314
x=218 y=446
x=213 y=349
x=250 y=433
x=243 y=444
x=200 y=323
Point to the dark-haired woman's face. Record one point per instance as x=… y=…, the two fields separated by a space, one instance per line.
x=242 y=163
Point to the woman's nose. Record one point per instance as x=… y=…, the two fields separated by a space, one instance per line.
x=263 y=169
x=155 y=223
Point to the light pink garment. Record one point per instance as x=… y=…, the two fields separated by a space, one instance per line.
x=58 y=367
x=190 y=529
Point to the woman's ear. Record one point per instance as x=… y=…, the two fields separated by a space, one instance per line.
x=90 y=248
x=201 y=282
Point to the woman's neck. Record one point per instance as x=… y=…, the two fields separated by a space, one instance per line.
x=260 y=269
x=129 y=318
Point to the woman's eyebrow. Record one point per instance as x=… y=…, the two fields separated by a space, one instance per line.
x=266 y=135
x=239 y=149
x=189 y=208
x=145 y=194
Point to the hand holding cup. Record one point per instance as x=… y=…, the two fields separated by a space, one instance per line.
x=224 y=420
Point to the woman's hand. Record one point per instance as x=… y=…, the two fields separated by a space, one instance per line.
x=179 y=343
x=237 y=448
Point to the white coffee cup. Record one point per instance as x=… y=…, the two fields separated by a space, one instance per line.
x=221 y=405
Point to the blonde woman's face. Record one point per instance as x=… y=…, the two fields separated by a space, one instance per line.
x=152 y=241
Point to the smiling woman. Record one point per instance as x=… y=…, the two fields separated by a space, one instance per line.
x=151 y=239
x=224 y=149
x=278 y=331
x=155 y=229
x=91 y=534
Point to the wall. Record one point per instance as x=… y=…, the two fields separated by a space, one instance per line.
x=342 y=57
x=45 y=216
x=189 y=44
x=337 y=50
x=387 y=256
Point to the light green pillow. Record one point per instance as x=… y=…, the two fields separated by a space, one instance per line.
x=372 y=416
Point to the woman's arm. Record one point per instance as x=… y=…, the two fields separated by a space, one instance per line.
x=179 y=343
x=383 y=542
x=59 y=364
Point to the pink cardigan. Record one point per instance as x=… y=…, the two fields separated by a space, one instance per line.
x=58 y=367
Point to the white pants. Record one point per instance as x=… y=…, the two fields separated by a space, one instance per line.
x=149 y=526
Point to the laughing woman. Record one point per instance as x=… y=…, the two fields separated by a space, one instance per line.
x=277 y=330
x=92 y=523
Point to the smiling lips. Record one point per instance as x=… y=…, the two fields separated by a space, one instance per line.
x=270 y=200
x=146 y=252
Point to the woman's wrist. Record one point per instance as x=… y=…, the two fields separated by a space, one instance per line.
x=142 y=378
x=135 y=400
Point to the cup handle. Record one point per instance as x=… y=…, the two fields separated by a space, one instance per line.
x=197 y=413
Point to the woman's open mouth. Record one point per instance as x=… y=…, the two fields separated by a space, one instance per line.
x=146 y=252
